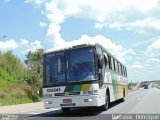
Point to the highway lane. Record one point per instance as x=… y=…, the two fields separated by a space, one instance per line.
x=140 y=101
x=150 y=103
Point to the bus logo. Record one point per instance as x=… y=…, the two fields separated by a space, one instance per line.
x=54 y=90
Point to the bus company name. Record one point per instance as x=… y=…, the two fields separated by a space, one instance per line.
x=54 y=90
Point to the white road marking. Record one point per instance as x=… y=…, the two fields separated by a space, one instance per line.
x=139 y=98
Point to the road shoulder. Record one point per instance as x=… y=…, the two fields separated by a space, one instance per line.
x=11 y=109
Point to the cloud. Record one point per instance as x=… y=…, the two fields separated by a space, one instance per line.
x=26 y=46
x=43 y=24
x=118 y=51
x=35 y=45
x=106 y=13
x=140 y=17
x=31 y=46
x=146 y=63
x=54 y=36
x=153 y=51
x=34 y=2
x=99 y=11
x=24 y=42
x=138 y=66
x=8 y=45
x=20 y=47
x=134 y=15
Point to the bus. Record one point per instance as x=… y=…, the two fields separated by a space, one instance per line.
x=82 y=75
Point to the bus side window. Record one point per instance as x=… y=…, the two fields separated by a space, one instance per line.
x=113 y=64
x=110 y=63
x=99 y=56
x=122 y=70
x=106 y=61
x=116 y=66
x=126 y=72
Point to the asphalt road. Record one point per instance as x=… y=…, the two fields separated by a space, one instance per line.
x=143 y=101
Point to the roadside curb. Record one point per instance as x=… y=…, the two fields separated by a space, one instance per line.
x=11 y=109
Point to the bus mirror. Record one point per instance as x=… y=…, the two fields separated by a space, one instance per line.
x=100 y=80
x=100 y=63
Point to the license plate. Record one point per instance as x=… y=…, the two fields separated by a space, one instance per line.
x=68 y=104
x=67 y=100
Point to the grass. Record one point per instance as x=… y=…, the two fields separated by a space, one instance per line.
x=134 y=87
x=13 y=92
x=13 y=83
x=158 y=86
x=12 y=101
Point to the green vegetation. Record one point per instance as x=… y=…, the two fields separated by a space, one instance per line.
x=34 y=64
x=20 y=83
x=131 y=85
x=157 y=86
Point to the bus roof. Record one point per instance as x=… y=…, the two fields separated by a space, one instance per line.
x=70 y=46
x=78 y=44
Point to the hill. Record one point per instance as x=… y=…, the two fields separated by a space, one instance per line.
x=14 y=88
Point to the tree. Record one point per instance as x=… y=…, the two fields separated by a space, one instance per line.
x=34 y=64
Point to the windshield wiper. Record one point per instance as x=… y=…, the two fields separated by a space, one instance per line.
x=86 y=81
x=74 y=82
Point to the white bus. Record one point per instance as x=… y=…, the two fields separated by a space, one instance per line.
x=82 y=75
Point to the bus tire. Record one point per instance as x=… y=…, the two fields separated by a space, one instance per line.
x=107 y=101
x=65 y=110
x=123 y=99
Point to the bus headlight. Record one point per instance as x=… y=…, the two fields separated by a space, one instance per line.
x=88 y=100
x=47 y=95
x=87 y=92
x=48 y=102
x=94 y=92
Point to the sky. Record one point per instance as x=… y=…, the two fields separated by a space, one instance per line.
x=130 y=29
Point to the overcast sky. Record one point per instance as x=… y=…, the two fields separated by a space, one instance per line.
x=130 y=29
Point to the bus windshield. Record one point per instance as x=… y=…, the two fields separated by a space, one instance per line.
x=81 y=65
x=70 y=66
x=54 y=70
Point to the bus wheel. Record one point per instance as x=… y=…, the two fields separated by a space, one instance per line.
x=123 y=99
x=65 y=110
x=106 y=105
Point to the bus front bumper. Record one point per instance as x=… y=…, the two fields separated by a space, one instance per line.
x=75 y=101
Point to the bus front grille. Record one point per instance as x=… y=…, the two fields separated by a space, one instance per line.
x=67 y=94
